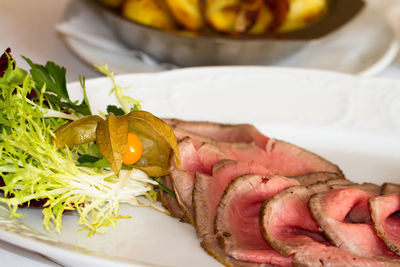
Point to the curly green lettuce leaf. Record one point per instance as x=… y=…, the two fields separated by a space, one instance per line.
x=127 y=103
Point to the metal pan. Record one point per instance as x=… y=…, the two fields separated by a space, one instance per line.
x=213 y=49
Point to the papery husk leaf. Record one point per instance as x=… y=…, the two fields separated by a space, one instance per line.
x=111 y=137
x=156 y=150
x=153 y=171
x=77 y=132
x=157 y=137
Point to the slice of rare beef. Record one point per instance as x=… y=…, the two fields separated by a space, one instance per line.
x=357 y=214
x=288 y=226
x=286 y=219
x=289 y=160
x=339 y=181
x=278 y=156
x=169 y=202
x=369 y=187
x=390 y=188
x=237 y=220
x=206 y=196
x=192 y=160
x=331 y=211
x=208 y=191
x=221 y=132
x=214 y=249
x=316 y=177
x=385 y=213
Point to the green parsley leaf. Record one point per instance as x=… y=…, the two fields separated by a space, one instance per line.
x=117 y=111
x=53 y=77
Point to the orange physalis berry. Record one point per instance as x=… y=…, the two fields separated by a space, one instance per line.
x=133 y=149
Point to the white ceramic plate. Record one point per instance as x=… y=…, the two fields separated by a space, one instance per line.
x=353 y=122
x=365 y=46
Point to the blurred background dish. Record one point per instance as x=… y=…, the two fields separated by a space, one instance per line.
x=225 y=36
x=366 y=45
x=230 y=17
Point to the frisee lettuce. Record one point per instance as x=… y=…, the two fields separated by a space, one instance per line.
x=126 y=102
x=31 y=166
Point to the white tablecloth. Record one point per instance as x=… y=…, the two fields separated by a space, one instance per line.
x=27 y=27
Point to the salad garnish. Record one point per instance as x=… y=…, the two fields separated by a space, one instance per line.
x=57 y=152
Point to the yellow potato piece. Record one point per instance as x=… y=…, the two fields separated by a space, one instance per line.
x=187 y=13
x=220 y=17
x=302 y=13
x=232 y=16
x=263 y=22
x=149 y=12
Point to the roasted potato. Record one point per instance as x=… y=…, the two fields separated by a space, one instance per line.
x=263 y=21
x=187 y=13
x=221 y=14
x=302 y=13
x=149 y=12
x=232 y=16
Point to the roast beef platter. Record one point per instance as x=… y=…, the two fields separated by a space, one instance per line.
x=259 y=201
x=253 y=200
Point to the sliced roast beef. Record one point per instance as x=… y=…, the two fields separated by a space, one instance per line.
x=331 y=209
x=369 y=187
x=316 y=177
x=287 y=159
x=237 y=220
x=192 y=160
x=169 y=202
x=214 y=249
x=319 y=255
x=197 y=139
x=198 y=153
x=206 y=196
x=286 y=219
x=358 y=213
x=386 y=217
x=338 y=181
x=208 y=191
x=278 y=156
x=390 y=188
x=221 y=132
x=288 y=226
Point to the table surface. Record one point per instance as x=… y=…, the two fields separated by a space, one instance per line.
x=27 y=27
